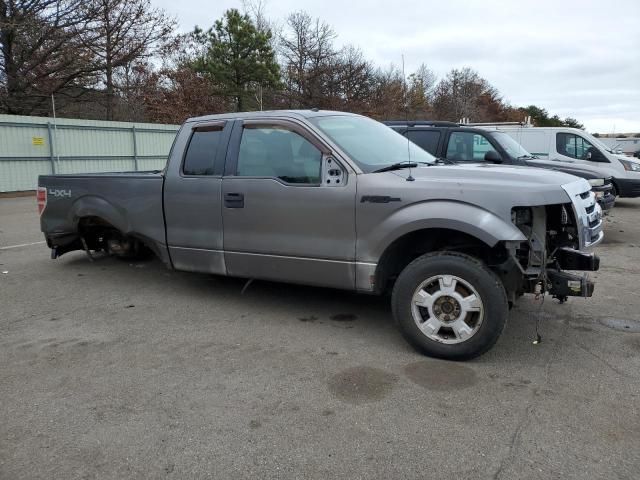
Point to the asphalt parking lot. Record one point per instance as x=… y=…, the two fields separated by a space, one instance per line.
x=120 y=370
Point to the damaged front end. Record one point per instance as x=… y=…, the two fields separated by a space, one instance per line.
x=556 y=239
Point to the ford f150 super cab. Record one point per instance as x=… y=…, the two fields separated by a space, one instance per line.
x=461 y=143
x=339 y=200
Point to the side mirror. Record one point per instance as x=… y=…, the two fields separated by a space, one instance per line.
x=492 y=156
x=595 y=155
x=334 y=173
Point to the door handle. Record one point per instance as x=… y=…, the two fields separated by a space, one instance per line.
x=234 y=200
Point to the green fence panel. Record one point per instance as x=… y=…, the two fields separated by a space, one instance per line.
x=32 y=146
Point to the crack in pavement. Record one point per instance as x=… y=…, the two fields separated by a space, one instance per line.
x=531 y=405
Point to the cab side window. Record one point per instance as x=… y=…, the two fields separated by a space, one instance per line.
x=467 y=147
x=201 y=152
x=280 y=153
x=573 y=146
x=425 y=139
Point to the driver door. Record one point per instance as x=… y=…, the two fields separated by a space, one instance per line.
x=288 y=207
x=572 y=148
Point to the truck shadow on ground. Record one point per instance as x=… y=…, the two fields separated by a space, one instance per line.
x=285 y=305
x=307 y=304
x=624 y=204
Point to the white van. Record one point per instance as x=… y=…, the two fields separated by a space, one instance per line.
x=579 y=148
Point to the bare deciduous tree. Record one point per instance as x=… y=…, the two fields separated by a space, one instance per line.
x=122 y=33
x=122 y=59
x=40 y=54
x=355 y=77
x=458 y=95
x=388 y=97
x=421 y=85
x=175 y=91
x=307 y=50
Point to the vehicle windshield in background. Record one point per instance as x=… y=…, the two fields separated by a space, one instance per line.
x=370 y=144
x=512 y=147
x=600 y=144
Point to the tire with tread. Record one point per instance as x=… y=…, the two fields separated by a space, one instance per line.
x=473 y=271
x=614 y=190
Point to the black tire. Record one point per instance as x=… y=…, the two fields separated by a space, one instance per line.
x=487 y=285
x=614 y=190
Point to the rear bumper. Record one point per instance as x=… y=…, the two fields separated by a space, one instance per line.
x=629 y=188
x=61 y=243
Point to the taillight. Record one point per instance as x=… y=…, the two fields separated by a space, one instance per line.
x=41 y=195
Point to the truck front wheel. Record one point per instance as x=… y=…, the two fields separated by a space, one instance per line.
x=450 y=305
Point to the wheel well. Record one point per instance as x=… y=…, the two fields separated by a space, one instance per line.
x=102 y=235
x=414 y=244
x=94 y=230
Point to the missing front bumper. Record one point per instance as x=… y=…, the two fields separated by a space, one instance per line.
x=570 y=259
x=565 y=284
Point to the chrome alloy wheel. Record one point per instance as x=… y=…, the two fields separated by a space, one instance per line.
x=447 y=309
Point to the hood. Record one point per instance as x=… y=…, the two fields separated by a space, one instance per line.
x=579 y=172
x=498 y=187
x=626 y=158
x=526 y=177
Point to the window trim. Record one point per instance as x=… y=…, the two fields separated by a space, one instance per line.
x=576 y=136
x=294 y=127
x=231 y=167
x=565 y=152
x=215 y=126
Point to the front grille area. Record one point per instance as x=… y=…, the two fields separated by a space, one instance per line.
x=589 y=217
x=587 y=212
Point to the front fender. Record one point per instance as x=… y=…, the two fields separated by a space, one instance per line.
x=459 y=216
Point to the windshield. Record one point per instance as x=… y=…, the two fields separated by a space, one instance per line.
x=512 y=147
x=600 y=144
x=370 y=144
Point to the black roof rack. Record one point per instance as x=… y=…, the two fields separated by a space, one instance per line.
x=418 y=123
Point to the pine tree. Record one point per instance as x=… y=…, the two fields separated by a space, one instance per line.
x=238 y=58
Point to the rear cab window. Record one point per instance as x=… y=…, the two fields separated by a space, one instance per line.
x=200 y=156
x=426 y=139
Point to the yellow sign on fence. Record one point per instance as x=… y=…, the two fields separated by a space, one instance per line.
x=37 y=141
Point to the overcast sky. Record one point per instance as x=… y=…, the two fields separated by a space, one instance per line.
x=574 y=58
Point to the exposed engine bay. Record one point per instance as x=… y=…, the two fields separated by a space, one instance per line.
x=555 y=237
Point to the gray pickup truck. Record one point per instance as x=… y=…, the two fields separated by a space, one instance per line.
x=339 y=200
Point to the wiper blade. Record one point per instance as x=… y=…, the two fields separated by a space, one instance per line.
x=446 y=161
x=396 y=166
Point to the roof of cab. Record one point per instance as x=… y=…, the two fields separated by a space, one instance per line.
x=268 y=113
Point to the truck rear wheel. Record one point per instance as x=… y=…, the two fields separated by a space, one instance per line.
x=450 y=305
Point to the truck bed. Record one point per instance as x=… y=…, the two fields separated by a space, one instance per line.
x=129 y=201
